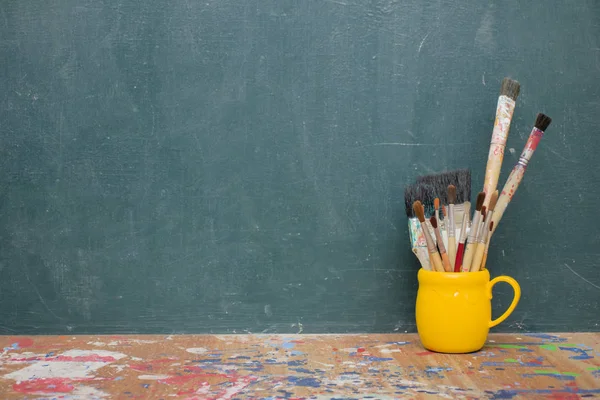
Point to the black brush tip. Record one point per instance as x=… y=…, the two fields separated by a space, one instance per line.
x=510 y=88
x=542 y=122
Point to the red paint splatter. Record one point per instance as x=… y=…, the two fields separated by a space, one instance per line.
x=538 y=362
x=563 y=396
x=335 y=349
x=22 y=341
x=424 y=353
x=141 y=367
x=360 y=350
x=297 y=341
x=50 y=385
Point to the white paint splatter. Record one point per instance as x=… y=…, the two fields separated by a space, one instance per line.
x=387 y=351
x=196 y=350
x=235 y=389
x=153 y=377
x=99 y=344
x=47 y=368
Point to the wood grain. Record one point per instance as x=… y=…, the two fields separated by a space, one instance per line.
x=297 y=366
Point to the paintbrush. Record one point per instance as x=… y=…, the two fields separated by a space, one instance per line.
x=436 y=260
x=509 y=91
x=462 y=238
x=449 y=221
x=418 y=244
x=487 y=229
x=440 y=245
x=471 y=240
x=516 y=176
x=483 y=234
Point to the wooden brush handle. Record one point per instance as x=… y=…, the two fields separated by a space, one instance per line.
x=483 y=262
x=504 y=113
x=516 y=175
x=446 y=262
x=469 y=253
x=452 y=251
x=476 y=264
x=460 y=252
x=437 y=261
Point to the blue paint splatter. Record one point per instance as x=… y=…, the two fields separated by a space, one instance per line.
x=557 y=376
x=50 y=354
x=545 y=336
x=297 y=353
x=510 y=394
x=288 y=345
x=502 y=394
x=296 y=363
x=371 y=358
x=14 y=346
x=583 y=354
x=310 y=382
x=145 y=385
x=240 y=358
x=302 y=370
x=118 y=378
x=399 y=343
x=526 y=350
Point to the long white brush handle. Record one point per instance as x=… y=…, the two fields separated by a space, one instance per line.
x=504 y=114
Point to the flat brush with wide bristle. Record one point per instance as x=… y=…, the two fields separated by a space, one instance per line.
x=440 y=245
x=516 y=176
x=471 y=241
x=451 y=225
x=462 y=238
x=418 y=243
x=439 y=182
x=505 y=108
x=433 y=253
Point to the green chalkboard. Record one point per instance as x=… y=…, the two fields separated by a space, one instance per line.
x=239 y=166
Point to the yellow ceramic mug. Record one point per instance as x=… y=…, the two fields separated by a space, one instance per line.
x=454 y=309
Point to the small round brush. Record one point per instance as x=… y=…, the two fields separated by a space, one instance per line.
x=440 y=245
x=433 y=253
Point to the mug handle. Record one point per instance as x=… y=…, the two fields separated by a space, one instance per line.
x=515 y=300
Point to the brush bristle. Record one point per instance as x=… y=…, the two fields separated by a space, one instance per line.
x=436 y=204
x=421 y=192
x=419 y=211
x=493 y=200
x=510 y=88
x=433 y=221
x=491 y=226
x=459 y=178
x=480 y=199
x=451 y=194
x=542 y=122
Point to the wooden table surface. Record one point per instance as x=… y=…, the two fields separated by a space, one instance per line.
x=557 y=366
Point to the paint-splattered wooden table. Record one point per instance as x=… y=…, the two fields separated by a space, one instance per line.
x=565 y=366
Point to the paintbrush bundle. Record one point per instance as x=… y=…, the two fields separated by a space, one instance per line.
x=432 y=192
x=450 y=240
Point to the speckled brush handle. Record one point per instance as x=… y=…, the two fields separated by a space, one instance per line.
x=504 y=113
